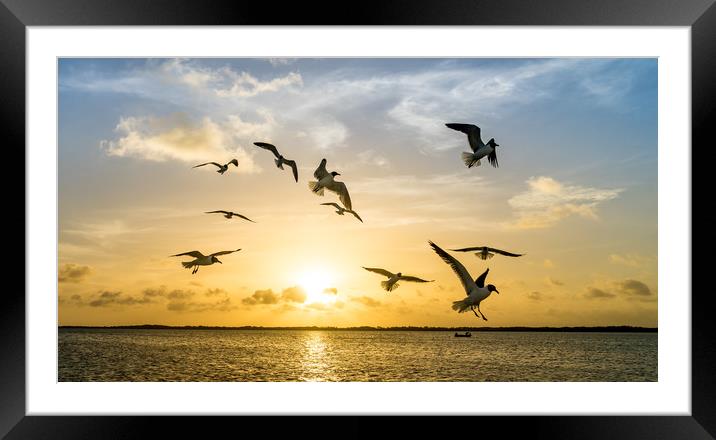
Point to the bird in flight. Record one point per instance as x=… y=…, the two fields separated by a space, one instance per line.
x=476 y=291
x=280 y=160
x=485 y=252
x=229 y=214
x=222 y=168
x=201 y=259
x=325 y=181
x=479 y=148
x=392 y=282
x=341 y=210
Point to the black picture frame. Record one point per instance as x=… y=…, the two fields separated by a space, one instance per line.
x=700 y=15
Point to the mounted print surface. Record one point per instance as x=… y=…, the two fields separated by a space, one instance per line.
x=357 y=219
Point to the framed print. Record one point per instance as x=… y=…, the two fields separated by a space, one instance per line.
x=293 y=220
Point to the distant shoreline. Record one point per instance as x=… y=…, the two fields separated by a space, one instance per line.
x=603 y=329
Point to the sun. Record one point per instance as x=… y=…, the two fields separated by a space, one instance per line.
x=315 y=282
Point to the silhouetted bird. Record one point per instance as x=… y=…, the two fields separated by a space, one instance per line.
x=325 y=181
x=280 y=160
x=229 y=214
x=222 y=168
x=479 y=149
x=341 y=210
x=486 y=252
x=476 y=290
x=393 y=278
x=201 y=259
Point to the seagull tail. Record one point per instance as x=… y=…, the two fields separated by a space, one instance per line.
x=386 y=285
x=470 y=159
x=187 y=264
x=461 y=306
x=318 y=190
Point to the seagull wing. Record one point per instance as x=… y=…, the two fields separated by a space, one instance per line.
x=480 y=281
x=334 y=204
x=269 y=147
x=472 y=132
x=468 y=249
x=215 y=212
x=321 y=172
x=415 y=279
x=207 y=163
x=234 y=161
x=243 y=217
x=342 y=191
x=224 y=252
x=356 y=215
x=456 y=266
x=292 y=164
x=379 y=271
x=492 y=158
x=195 y=254
x=501 y=252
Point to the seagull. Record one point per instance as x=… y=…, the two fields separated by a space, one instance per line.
x=393 y=278
x=201 y=259
x=280 y=160
x=486 y=252
x=222 y=168
x=341 y=210
x=476 y=290
x=479 y=149
x=229 y=214
x=325 y=181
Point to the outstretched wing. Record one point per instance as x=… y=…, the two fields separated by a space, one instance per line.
x=342 y=191
x=224 y=252
x=480 y=281
x=334 y=204
x=234 y=161
x=292 y=164
x=468 y=249
x=492 y=158
x=269 y=147
x=321 y=172
x=456 y=266
x=472 y=132
x=415 y=279
x=379 y=271
x=216 y=212
x=508 y=254
x=207 y=163
x=356 y=215
x=195 y=254
x=243 y=217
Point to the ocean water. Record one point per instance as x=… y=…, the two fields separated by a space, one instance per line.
x=364 y=356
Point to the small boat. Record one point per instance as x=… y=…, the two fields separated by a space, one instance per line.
x=463 y=335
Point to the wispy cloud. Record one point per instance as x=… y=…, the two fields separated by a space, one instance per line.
x=547 y=201
x=294 y=294
x=630 y=260
x=73 y=273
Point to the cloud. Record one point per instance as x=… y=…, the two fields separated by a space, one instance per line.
x=366 y=301
x=177 y=137
x=549 y=264
x=536 y=296
x=371 y=157
x=243 y=84
x=594 y=293
x=293 y=294
x=631 y=260
x=331 y=290
x=634 y=288
x=548 y=201
x=73 y=273
x=108 y=298
x=553 y=282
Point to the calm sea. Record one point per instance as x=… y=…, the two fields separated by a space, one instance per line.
x=408 y=356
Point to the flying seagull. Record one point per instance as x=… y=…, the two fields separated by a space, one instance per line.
x=476 y=290
x=325 y=181
x=201 y=259
x=479 y=149
x=222 y=168
x=229 y=214
x=486 y=252
x=341 y=210
x=393 y=278
x=280 y=160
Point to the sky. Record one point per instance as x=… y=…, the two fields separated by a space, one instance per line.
x=575 y=190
